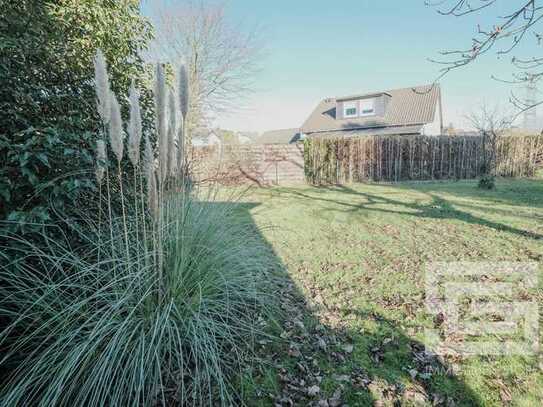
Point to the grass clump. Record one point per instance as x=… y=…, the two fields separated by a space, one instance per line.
x=100 y=332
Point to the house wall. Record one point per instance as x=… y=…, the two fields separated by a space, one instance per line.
x=339 y=110
x=261 y=164
x=434 y=128
x=380 y=105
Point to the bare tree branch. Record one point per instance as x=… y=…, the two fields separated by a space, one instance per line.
x=222 y=58
x=490 y=122
x=461 y=8
x=503 y=38
x=490 y=119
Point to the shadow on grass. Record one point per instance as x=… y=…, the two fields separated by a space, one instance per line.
x=438 y=208
x=510 y=191
x=326 y=356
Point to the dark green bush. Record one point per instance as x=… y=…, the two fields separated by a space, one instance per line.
x=48 y=120
x=487 y=182
x=40 y=167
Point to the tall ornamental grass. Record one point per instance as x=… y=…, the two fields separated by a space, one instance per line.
x=161 y=303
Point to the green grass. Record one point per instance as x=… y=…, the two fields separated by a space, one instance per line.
x=356 y=255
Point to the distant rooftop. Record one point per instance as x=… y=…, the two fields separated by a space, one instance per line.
x=282 y=136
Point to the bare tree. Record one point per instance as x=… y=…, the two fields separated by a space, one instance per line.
x=503 y=37
x=490 y=122
x=222 y=58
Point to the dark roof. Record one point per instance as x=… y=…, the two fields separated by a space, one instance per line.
x=283 y=136
x=380 y=131
x=407 y=106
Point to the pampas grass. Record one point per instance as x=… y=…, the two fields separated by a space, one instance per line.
x=116 y=128
x=116 y=140
x=95 y=333
x=148 y=157
x=161 y=124
x=180 y=144
x=100 y=161
x=150 y=177
x=172 y=134
x=134 y=126
x=183 y=84
x=152 y=193
x=101 y=85
x=159 y=307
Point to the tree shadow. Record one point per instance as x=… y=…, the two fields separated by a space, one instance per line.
x=438 y=208
x=525 y=192
x=322 y=355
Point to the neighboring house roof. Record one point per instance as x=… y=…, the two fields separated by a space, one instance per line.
x=202 y=138
x=251 y=135
x=244 y=139
x=199 y=142
x=406 y=107
x=283 y=136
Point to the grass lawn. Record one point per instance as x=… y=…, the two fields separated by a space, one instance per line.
x=354 y=258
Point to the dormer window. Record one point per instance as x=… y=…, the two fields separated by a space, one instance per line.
x=362 y=107
x=367 y=107
x=350 y=109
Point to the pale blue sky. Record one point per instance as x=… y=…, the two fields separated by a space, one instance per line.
x=318 y=48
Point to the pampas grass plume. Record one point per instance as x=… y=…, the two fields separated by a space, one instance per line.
x=160 y=103
x=148 y=156
x=180 y=143
x=172 y=130
x=134 y=126
x=183 y=83
x=116 y=128
x=101 y=85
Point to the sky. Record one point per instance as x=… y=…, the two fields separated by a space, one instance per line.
x=315 y=49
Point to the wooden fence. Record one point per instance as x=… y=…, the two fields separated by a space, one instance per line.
x=398 y=158
x=261 y=164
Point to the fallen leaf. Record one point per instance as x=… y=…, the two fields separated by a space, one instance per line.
x=335 y=401
x=322 y=344
x=294 y=351
x=412 y=396
x=505 y=393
